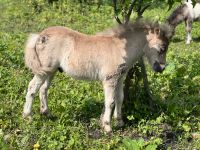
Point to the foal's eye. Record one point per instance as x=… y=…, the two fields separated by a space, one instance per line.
x=163 y=48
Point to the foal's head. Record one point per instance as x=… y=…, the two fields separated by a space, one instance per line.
x=158 y=38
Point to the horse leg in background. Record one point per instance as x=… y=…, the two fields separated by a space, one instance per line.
x=109 y=93
x=43 y=96
x=188 y=24
x=119 y=97
x=33 y=87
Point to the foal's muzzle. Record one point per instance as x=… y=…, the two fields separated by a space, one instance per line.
x=158 y=67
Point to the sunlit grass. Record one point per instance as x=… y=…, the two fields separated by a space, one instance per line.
x=77 y=105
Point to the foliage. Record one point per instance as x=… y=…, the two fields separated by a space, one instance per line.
x=76 y=105
x=139 y=144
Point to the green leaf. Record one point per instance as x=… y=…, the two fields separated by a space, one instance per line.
x=151 y=147
x=130 y=117
x=141 y=143
x=131 y=144
x=186 y=127
x=194 y=2
x=170 y=68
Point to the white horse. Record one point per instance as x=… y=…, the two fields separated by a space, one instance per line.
x=188 y=13
x=105 y=57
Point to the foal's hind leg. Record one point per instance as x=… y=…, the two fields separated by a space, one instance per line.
x=188 y=24
x=33 y=87
x=43 y=95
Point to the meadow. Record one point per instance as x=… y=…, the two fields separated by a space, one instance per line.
x=172 y=124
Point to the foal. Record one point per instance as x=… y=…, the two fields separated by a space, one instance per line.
x=187 y=13
x=106 y=57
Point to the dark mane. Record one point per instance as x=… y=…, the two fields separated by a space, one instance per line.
x=125 y=30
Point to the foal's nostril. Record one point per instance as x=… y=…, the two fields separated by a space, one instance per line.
x=158 y=67
x=164 y=48
x=162 y=66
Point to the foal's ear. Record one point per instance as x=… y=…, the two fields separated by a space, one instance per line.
x=157 y=31
x=147 y=29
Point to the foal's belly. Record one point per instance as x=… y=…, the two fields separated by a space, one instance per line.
x=82 y=75
x=82 y=71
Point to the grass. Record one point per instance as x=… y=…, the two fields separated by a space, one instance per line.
x=174 y=122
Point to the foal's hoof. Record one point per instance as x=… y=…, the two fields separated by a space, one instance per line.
x=106 y=127
x=27 y=116
x=46 y=113
x=188 y=42
x=120 y=123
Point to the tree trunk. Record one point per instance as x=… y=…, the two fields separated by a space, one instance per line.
x=140 y=10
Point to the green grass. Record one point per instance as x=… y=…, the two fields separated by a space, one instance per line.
x=77 y=105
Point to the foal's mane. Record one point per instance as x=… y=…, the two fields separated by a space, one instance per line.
x=139 y=26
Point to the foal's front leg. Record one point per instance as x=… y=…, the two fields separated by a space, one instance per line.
x=188 y=24
x=109 y=93
x=33 y=87
x=118 y=104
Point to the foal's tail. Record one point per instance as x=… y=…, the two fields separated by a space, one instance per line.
x=32 y=60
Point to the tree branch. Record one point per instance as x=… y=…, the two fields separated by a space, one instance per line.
x=122 y=2
x=141 y=10
x=118 y=20
x=146 y=82
x=144 y=8
x=115 y=10
x=129 y=11
x=139 y=5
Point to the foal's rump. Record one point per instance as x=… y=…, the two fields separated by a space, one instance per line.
x=32 y=60
x=43 y=51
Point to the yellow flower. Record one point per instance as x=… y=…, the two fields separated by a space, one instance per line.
x=36 y=146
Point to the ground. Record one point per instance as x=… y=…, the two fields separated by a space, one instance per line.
x=171 y=123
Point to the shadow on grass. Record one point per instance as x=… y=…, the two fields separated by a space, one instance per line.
x=90 y=109
x=196 y=39
x=178 y=106
x=176 y=40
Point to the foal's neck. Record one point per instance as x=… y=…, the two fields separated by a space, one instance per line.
x=135 y=45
